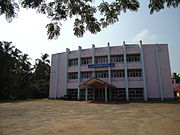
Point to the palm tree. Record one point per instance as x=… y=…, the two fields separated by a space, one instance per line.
x=7 y=47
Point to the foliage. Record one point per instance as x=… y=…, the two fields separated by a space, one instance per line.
x=18 y=80
x=176 y=76
x=85 y=13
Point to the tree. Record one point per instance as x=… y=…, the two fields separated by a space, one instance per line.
x=41 y=77
x=18 y=80
x=83 y=11
x=176 y=77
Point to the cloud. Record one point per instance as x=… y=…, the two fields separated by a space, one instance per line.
x=145 y=36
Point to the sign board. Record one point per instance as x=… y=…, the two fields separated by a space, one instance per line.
x=101 y=65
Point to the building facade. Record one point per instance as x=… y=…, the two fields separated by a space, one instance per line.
x=127 y=72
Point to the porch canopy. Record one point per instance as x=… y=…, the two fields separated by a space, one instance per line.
x=96 y=83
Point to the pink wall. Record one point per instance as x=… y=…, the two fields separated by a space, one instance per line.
x=151 y=71
x=59 y=72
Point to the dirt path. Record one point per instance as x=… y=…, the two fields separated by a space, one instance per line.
x=50 y=117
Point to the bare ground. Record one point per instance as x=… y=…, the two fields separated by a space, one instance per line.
x=57 y=117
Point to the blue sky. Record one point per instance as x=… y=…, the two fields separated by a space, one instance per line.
x=28 y=33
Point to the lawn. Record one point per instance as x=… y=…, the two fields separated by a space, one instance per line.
x=57 y=117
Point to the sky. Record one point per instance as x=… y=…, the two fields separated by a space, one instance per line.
x=28 y=33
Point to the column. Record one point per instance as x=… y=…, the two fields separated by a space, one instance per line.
x=125 y=71
x=159 y=73
x=110 y=94
x=93 y=93
x=86 y=94
x=93 y=59
x=109 y=68
x=106 y=93
x=67 y=65
x=143 y=71
x=79 y=72
x=57 y=77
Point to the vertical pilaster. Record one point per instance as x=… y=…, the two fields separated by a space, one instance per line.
x=79 y=72
x=143 y=71
x=93 y=59
x=106 y=94
x=159 y=73
x=57 y=78
x=67 y=65
x=93 y=93
x=86 y=94
x=125 y=71
x=109 y=68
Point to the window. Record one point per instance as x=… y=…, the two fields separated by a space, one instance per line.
x=72 y=93
x=73 y=75
x=134 y=73
x=85 y=75
x=73 y=62
x=136 y=92
x=118 y=93
x=100 y=60
x=133 y=57
x=117 y=58
x=85 y=61
x=101 y=74
x=117 y=73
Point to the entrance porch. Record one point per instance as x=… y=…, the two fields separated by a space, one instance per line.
x=96 y=89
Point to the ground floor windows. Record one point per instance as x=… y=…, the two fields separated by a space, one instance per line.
x=118 y=94
x=112 y=94
x=72 y=93
x=135 y=93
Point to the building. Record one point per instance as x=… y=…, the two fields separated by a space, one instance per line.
x=127 y=72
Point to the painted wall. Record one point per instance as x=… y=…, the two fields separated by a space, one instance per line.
x=59 y=70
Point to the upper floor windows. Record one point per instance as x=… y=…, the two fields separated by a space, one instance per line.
x=100 y=60
x=73 y=62
x=85 y=61
x=117 y=73
x=73 y=75
x=133 y=57
x=104 y=59
x=101 y=74
x=85 y=75
x=117 y=58
x=134 y=73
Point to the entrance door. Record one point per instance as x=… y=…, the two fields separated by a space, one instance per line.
x=99 y=94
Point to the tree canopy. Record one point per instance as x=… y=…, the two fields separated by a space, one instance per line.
x=18 y=78
x=84 y=12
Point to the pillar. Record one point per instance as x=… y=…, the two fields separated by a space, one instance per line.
x=125 y=71
x=93 y=93
x=93 y=59
x=143 y=71
x=106 y=94
x=159 y=73
x=79 y=71
x=86 y=94
x=67 y=65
